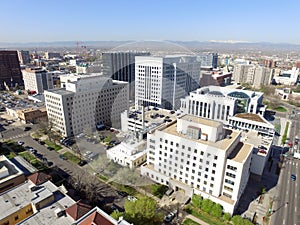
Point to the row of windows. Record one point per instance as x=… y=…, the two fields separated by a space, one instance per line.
x=229 y=182
x=230 y=175
x=232 y=168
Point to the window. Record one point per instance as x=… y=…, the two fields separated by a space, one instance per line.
x=16 y=217
x=214 y=164
x=231 y=168
x=213 y=171
x=206 y=169
x=195 y=151
x=216 y=157
x=189 y=149
x=202 y=153
x=229 y=182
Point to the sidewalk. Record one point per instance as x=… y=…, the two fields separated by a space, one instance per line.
x=196 y=219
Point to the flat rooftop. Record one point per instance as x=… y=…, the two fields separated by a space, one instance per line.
x=222 y=144
x=250 y=116
x=13 y=170
x=61 y=91
x=241 y=152
x=47 y=214
x=203 y=121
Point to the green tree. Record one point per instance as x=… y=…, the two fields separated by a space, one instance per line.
x=207 y=205
x=216 y=210
x=143 y=211
x=116 y=214
x=159 y=190
x=197 y=200
x=226 y=217
x=237 y=220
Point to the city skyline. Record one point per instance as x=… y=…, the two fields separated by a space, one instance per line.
x=135 y=20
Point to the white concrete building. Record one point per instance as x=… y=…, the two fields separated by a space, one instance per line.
x=37 y=80
x=218 y=103
x=130 y=153
x=65 y=78
x=199 y=156
x=289 y=77
x=249 y=121
x=86 y=102
x=162 y=81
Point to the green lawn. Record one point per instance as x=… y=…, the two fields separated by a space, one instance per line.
x=280 y=109
x=190 y=222
x=28 y=156
x=36 y=135
x=38 y=164
x=157 y=190
x=53 y=145
x=205 y=216
x=284 y=136
x=71 y=157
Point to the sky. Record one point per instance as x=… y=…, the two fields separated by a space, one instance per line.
x=275 y=21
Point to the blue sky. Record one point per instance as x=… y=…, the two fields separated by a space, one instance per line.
x=186 y=20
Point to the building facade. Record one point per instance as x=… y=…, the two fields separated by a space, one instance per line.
x=162 y=81
x=199 y=156
x=37 y=80
x=121 y=66
x=24 y=57
x=218 y=103
x=10 y=72
x=209 y=60
x=85 y=103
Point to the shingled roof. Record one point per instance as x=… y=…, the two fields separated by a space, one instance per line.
x=77 y=210
x=39 y=178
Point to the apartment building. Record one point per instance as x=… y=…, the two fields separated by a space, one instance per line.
x=199 y=156
x=86 y=102
x=162 y=81
x=209 y=60
x=37 y=80
x=218 y=103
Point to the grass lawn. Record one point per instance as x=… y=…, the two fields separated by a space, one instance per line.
x=53 y=145
x=205 y=216
x=36 y=135
x=157 y=190
x=28 y=156
x=128 y=189
x=71 y=157
x=190 y=222
x=280 y=109
x=38 y=164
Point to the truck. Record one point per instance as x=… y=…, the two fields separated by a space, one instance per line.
x=297 y=155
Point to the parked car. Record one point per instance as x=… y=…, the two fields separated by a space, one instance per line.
x=27 y=128
x=82 y=163
x=131 y=198
x=20 y=143
x=62 y=157
x=41 y=142
x=293 y=177
x=122 y=193
x=50 y=148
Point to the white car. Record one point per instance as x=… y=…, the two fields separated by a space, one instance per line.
x=20 y=143
x=131 y=198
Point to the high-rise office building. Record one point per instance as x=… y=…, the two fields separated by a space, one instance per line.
x=37 y=79
x=10 y=72
x=85 y=103
x=24 y=57
x=162 y=81
x=121 y=66
x=209 y=60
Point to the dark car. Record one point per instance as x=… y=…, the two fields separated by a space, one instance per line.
x=293 y=177
x=82 y=163
x=122 y=193
x=36 y=139
x=50 y=148
x=41 y=142
x=27 y=128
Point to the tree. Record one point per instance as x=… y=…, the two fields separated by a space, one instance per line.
x=207 y=205
x=237 y=220
x=143 y=211
x=216 y=210
x=159 y=190
x=226 y=217
x=116 y=214
x=197 y=201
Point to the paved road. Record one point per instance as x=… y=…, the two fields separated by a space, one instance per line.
x=286 y=208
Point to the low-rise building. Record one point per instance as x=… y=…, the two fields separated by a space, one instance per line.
x=32 y=115
x=219 y=103
x=129 y=153
x=10 y=174
x=199 y=156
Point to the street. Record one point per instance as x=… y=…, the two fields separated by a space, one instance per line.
x=286 y=201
